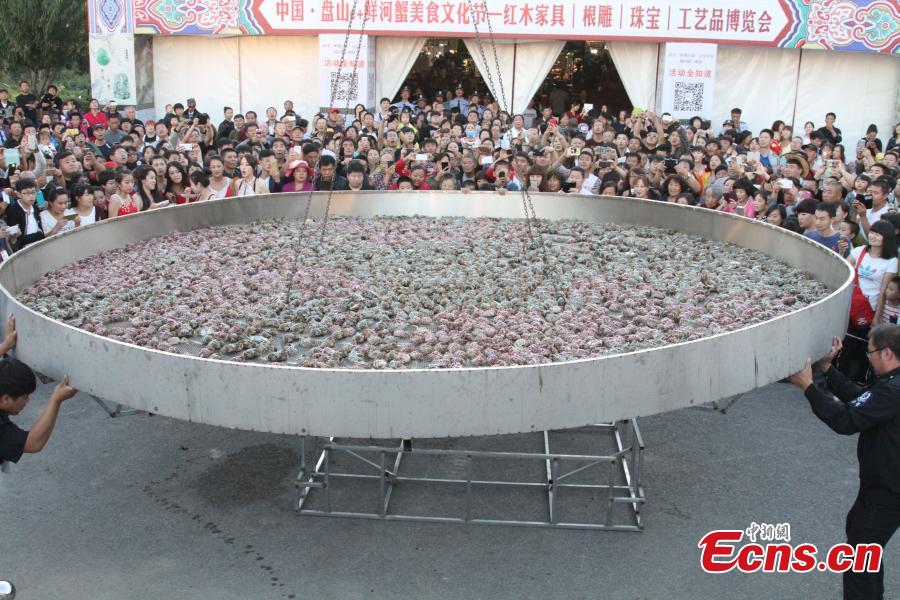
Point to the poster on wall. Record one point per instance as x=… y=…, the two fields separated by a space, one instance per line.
x=112 y=68
x=344 y=83
x=688 y=78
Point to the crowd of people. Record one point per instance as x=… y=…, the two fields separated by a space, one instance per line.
x=64 y=167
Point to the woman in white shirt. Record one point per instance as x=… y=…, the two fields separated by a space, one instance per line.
x=249 y=184
x=84 y=205
x=53 y=219
x=878 y=265
x=876 y=269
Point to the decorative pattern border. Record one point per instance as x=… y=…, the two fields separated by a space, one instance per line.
x=850 y=25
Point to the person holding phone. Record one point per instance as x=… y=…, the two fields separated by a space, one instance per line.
x=24 y=216
x=54 y=220
x=871 y=206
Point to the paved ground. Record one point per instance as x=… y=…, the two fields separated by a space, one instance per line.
x=146 y=507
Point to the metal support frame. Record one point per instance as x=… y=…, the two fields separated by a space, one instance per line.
x=115 y=410
x=381 y=465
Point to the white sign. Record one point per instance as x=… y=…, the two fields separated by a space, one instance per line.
x=348 y=81
x=688 y=78
x=112 y=67
x=727 y=21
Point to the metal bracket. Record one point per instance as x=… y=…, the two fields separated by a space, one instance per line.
x=115 y=410
x=562 y=474
x=720 y=406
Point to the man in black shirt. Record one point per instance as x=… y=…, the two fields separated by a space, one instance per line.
x=28 y=102
x=17 y=382
x=6 y=107
x=829 y=132
x=50 y=101
x=874 y=413
x=328 y=178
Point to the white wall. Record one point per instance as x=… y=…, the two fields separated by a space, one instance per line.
x=246 y=73
x=200 y=67
x=861 y=88
x=760 y=81
x=279 y=68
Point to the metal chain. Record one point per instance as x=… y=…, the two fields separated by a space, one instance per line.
x=490 y=81
x=505 y=105
x=298 y=243
x=362 y=32
x=527 y=201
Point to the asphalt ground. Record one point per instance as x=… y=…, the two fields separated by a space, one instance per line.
x=147 y=507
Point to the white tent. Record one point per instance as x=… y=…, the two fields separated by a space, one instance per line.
x=255 y=72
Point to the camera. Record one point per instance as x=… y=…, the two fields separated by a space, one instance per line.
x=568 y=186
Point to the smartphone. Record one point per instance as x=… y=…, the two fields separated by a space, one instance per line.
x=12 y=156
x=604 y=164
x=785 y=183
x=572 y=152
x=422 y=157
x=670 y=164
x=487 y=160
x=867 y=200
x=70 y=217
x=588 y=108
x=753 y=156
x=554 y=121
x=162 y=204
x=185 y=147
x=13 y=231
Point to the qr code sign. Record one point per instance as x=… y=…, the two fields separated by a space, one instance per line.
x=689 y=96
x=346 y=88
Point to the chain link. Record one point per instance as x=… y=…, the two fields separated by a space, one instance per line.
x=534 y=231
x=362 y=32
x=298 y=244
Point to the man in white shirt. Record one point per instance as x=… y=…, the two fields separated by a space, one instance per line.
x=879 y=190
x=24 y=214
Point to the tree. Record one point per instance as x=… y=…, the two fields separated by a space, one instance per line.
x=42 y=37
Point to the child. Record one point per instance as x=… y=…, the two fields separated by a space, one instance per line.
x=850 y=230
x=822 y=232
x=890 y=311
x=24 y=214
x=405 y=184
x=17 y=382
